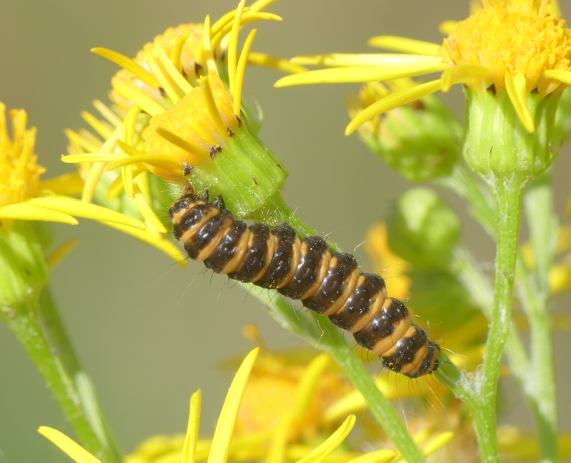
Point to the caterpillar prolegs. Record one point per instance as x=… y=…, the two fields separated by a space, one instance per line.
x=304 y=268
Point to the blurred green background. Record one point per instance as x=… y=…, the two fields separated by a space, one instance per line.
x=148 y=332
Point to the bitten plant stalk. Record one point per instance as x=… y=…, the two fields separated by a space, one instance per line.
x=176 y=123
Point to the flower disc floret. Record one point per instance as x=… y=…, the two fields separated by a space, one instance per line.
x=512 y=37
x=19 y=169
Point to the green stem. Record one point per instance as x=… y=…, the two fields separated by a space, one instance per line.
x=60 y=345
x=322 y=333
x=508 y=208
x=540 y=392
x=543 y=231
x=50 y=366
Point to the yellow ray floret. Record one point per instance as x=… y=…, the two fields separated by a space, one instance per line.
x=526 y=48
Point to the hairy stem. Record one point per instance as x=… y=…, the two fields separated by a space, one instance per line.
x=58 y=379
x=508 y=206
x=543 y=231
x=60 y=344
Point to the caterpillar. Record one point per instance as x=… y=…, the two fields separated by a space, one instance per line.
x=329 y=283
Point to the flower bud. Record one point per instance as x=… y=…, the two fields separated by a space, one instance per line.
x=422 y=229
x=421 y=141
x=498 y=145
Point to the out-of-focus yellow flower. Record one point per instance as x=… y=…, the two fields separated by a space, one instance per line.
x=560 y=272
x=245 y=432
x=220 y=448
x=463 y=339
x=526 y=48
x=24 y=196
x=387 y=263
x=522 y=446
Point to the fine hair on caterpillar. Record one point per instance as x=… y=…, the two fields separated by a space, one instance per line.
x=305 y=269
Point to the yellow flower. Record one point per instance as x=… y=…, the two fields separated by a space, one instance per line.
x=220 y=448
x=520 y=47
x=387 y=263
x=171 y=109
x=275 y=443
x=560 y=271
x=24 y=196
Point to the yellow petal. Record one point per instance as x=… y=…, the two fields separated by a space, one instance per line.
x=138 y=97
x=148 y=214
x=379 y=456
x=308 y=383
x=79 y=208
x=359 y=59
x=562 y=76
x=359 y=74
x=227 y=418
x=405 y=44
x=392 y=101
x=90 y=157
x=517 y=92
x=154 y=240
x=233 y=45
x=331 y=443
x=69 y=184
x=437 y=442
x=172 y=71
x=462 y=74
x=192 y=428
x=446 y=27
x=107 y=113
x=99 y=127
x=128 y=64
x=269 y=61
x=68 y=446
x=27 y=211
x=59 y=253
x=166 y=83
x=240 y=70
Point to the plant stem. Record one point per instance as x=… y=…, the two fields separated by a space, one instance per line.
x=58 y=379
x=508 y=206
x=543 y=231
x=534 y=298
x=330 y=339
x=60 y=345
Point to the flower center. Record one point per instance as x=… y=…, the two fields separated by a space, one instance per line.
x=19 y=171
x=523 y=36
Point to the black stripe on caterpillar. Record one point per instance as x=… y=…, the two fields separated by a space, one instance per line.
x=304 y=268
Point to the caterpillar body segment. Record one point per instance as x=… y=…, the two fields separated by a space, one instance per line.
x=304 y=268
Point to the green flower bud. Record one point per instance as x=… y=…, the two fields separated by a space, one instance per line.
x=438 y=296
x=563 y=118
x=421 y=141
x=422 y=229
x=498 y=145
x=22 y=266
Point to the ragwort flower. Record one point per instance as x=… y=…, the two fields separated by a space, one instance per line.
x=176 y=108
x=223 y=445
x=513 y=73
x=525 y=48
x=24 y=196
